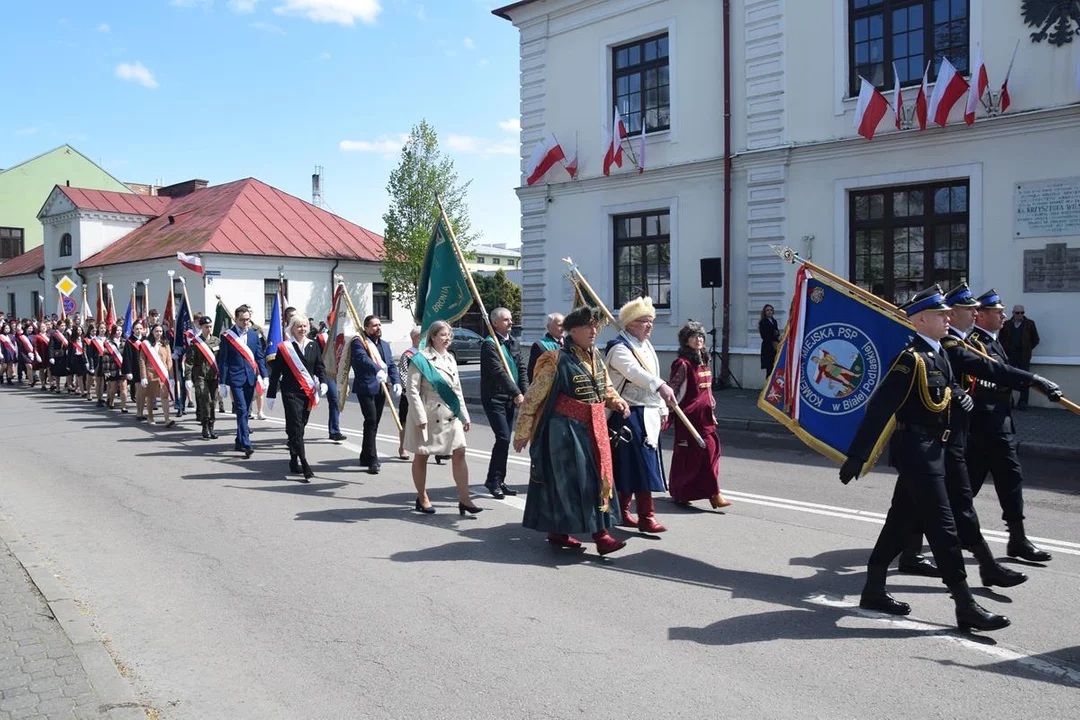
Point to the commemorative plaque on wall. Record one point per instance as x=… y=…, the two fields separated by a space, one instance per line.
x=1055 y=268
x=1047 y=208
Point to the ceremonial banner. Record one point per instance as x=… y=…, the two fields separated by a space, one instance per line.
x=222 y=319
x=185 y=328
x=274 y=336
x=443 y=292
x=836 y=349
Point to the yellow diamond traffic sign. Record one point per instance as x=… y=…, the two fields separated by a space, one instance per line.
x=66 y=286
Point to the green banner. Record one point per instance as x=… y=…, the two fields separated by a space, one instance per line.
x=443 y=291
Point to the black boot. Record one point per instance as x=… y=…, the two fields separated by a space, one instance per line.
x=213 y=435
x=874 y=596
x=294 y=462
x=306 y=469
x=1020 y=547
x=913 y=562
x=206 y=431
x=972 y=616
x=991 y=572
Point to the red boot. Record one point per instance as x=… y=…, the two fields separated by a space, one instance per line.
x=628 y=520
x=605 y=544
x=562 y=540
x=647 y=522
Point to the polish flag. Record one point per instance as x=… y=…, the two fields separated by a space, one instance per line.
x=544 y=156
x=871 y=107
x=898 y=96
x=613 y=154
x=920 y=99
x=191 y=262
x=571 y=167
x=1006 y=100
x=948 y=90
x=975 y=94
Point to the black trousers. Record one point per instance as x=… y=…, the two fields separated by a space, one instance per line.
x=995 y=453
x=961 y=499
x=296 y=419
x=500 y=415
x=920 y=503
x=371 y=406
x=1025 y=392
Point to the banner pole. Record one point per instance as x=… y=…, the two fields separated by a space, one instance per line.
x=367 y=346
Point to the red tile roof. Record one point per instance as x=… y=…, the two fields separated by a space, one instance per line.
x=246 y=217
x=116 y=202
x=31 y=261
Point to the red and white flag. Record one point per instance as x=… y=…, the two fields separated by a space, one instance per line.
x=921 y=98
x=1006 y=100
x=613 y=154
x=982 y=81
x=544 y=156
x=571 y=167
x=897 y=97
x=641 y=153
x=191 y=262
x=948 y=90
x=871 y=107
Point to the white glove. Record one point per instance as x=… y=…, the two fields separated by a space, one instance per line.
x=190 y=386
x=265 y=383
x=965 y=400
x=224 y=391
x=144 y=382
x=270 y=404
x=381 y=376
x=129 y=377
x=322 y=389
x=52 y=361
x=397 y=389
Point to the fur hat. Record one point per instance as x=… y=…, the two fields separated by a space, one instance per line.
x=638 y=307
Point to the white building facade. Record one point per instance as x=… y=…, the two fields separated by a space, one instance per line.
x=996 y=204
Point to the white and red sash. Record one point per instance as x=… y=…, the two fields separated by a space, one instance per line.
x=239 y=343
x=63 y=339
x=154 y=361
x=8 y=344
x=28 y=347
x=300 y=372
x=78 y=345
x=207 y=353
x=116 y=356
x=98 y=344
x=374 y=351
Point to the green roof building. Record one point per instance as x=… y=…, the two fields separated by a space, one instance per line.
x=25 y=187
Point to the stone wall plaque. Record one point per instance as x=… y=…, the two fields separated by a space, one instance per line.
x=1047 y=208
x=1055 y=268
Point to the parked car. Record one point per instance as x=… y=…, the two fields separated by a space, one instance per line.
x=466 y=346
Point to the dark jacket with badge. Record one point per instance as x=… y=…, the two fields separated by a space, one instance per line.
x=992 y=397
x=495 y=383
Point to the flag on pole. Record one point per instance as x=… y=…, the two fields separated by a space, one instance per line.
x=980 y=81
x=273 y=332
x=613 y=154
x=544 y=156
x=921 y=100
x=191 y=262
x=129 y=316
x=335 y=333
x=443 y=292
x=948 y=90
x=835 y=350
x=1006 y=99
x=86 y=314
x=870 y=109
x=571 y=167
x=100 y=315
x=110 y=314
x=184 y=327
x=898 y=97
x=168 y=317
x=61 y=311
x=641 y=153
x=222 y=319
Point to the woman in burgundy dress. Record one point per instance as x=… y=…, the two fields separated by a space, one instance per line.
x=695 y=471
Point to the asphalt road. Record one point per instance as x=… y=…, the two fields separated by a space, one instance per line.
x=228 y=590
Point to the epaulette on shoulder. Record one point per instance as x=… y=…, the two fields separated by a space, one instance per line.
x=949 y=342
x=905 y=361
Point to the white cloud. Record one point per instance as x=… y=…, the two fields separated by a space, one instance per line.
x=342 y=12
x=242 y=6
x=511 y=125
x=136 y=72
x=483 y=63
x=469 y=44
x=469 y=145
x=104 y=28
x=384 y=144
x=267 y=27
x=27 y=131
x=323 y=57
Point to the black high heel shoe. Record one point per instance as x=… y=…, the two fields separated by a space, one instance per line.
x=429 y=510
x=462 y=508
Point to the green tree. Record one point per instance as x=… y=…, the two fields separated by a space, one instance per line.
x=497 y=291
x=422 y=173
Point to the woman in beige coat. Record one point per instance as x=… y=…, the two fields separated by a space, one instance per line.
x=151 y=383
x=438 y=418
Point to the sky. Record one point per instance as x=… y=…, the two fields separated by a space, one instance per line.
x=162 y=91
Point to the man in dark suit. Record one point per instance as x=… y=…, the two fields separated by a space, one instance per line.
x=501 y=393
x=374 y=367
x=1019 y=337
x=917 y=390
x=243 y=367
x=552 y=340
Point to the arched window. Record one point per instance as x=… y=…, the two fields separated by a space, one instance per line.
x=65 y=245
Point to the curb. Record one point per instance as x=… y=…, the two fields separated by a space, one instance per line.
x=116 y=695
x=1046 y=450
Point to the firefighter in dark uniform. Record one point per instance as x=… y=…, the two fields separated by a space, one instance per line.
x=992 y=441
x=966 y=366
x=919 y=390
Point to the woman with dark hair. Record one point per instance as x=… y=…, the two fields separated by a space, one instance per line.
x=770 y=338
x=58 y=356
x=695 y=471
x=9 y=353
x=155 y=369
x=110 y=368
x=77 y=360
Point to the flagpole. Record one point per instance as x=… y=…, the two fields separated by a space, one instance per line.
x=367 y=346
x=85 y=302
x=112 y=304
x=622 y=331
x=793 y=257
x=472 y=285
x=146 y=297
x=183 y=284
x=101 y=300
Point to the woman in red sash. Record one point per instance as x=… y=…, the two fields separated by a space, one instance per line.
x=77 y=360
x=298 y=369
x=153 y=384
x=695 y=471
x=110 y=368
x=9 y=353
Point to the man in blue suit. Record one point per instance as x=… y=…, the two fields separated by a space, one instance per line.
x=242 y=363
x=371 y=373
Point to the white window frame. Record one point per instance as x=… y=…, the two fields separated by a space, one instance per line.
x=606 y=108
x=671 y=204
